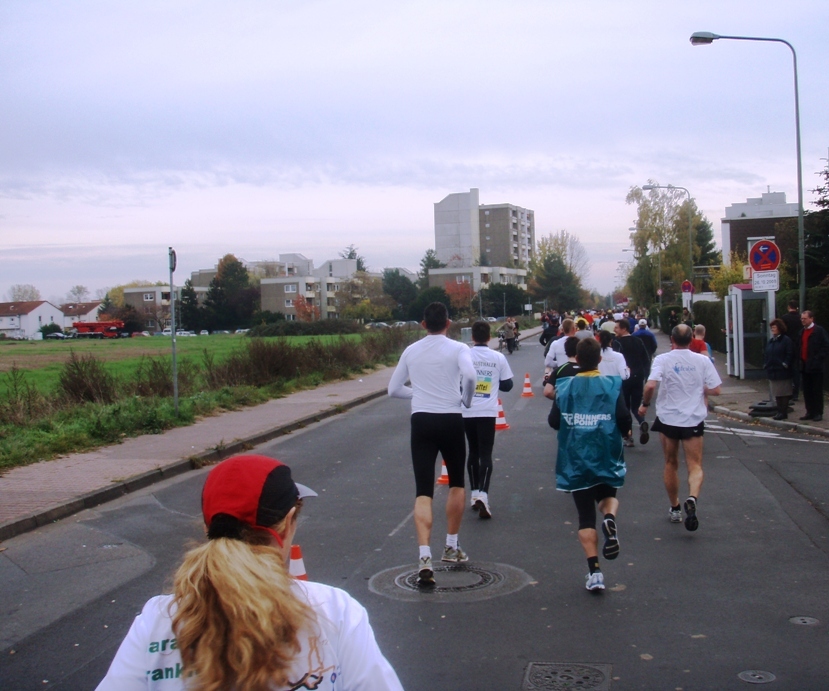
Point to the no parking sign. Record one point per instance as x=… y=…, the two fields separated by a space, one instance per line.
x=764 y=255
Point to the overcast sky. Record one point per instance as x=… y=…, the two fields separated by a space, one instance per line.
x=276 y=126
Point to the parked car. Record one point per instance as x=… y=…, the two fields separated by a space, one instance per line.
x=204 y=332
x=242 y=331
x=139 y=334
x=377 y=325
x=167 y=332
x=491 y=319
x=56 y=336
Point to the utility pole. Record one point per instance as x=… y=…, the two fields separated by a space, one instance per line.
x=172 y=257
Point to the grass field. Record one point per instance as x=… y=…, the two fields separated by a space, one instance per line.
x=42 y=361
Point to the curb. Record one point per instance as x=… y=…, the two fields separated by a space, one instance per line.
x=100 y=496
x=768 y=422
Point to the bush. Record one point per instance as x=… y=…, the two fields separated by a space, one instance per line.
x=23 y=403
x=321 y=327
x=712 y=316
x=154 y=377
x=85 y=379
x=664 y=317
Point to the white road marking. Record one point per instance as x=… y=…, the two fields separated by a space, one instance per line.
x=719 y=429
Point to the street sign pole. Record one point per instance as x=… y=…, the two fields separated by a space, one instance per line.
x=172 y=257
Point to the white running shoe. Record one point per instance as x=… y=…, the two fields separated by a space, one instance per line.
x=595 y=581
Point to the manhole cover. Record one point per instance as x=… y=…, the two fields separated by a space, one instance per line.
x=453 y=582
x=557 y=676
x=756 y=676
x=804 y=621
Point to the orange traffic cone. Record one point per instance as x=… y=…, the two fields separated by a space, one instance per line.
x=444 y=475
x=528 y=387
x=297 y=567
x=501 y=420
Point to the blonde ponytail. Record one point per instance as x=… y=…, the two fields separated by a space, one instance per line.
x=238 y=619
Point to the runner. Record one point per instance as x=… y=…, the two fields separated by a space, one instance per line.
x=685 y=381
x=236 y=619
x=555 y=357
x=494 y=374
x=590 y=418
x=442 y=379
x=638 y=362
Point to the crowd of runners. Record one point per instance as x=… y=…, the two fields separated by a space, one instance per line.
x=602 y=373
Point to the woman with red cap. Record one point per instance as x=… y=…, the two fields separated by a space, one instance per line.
x=236 y=618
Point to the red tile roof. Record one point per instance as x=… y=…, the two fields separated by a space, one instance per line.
x=14 y=309
x=79 y=309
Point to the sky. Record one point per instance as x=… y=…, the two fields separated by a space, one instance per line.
x=265 y=127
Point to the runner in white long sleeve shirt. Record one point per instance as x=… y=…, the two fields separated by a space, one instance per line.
x=442 y=380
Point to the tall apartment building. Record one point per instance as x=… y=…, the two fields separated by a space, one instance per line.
x=470 y=234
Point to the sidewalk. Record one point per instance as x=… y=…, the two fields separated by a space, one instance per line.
x=38 y=494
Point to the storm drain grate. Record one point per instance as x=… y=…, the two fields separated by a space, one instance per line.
x=756 y=676
x=561 y=676
x=453 y=582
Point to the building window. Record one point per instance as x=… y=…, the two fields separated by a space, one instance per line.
x=486 y=213
x=461 y=279
x=149 y=297
x=289 y=303
x=150 y=324
x=486 y=225
x=290 y=287
x=290 y=317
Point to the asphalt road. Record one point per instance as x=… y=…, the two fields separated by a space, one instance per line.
x=682 y=610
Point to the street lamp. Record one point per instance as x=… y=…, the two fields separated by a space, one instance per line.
x=704 y=38
x=690 y=224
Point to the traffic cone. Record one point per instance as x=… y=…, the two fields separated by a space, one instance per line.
x=297 y=567
x=444 y=475
x=528 y=387
x=501 y=420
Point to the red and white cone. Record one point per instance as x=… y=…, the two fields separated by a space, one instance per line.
x=501 y=420
x=297 y=567
x=528 y=387
x=444 y=475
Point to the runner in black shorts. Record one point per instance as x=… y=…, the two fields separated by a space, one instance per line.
x=442 y=380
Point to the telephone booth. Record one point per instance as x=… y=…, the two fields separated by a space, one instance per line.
x=747 y=317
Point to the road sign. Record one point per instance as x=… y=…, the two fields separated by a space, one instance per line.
x=687 y=287
x=764 y=256
x=764 y=281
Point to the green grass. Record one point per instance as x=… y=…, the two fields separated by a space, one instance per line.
x=42 y=361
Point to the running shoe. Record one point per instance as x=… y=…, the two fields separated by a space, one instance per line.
x=425 y=574
x=676 y=515
x=629 y=442
x=644 y=428
x=691 y=520
x=483 y=509
x=595 y=582
x=473 y=502
x=454 y=555
x=610 y=549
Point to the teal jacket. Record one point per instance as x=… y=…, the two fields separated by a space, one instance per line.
x=589 y=441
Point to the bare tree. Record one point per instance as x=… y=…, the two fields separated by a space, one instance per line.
x=77 y=294
x=23 y=292
x=569 y=249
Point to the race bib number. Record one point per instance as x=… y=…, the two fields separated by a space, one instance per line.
x=483 y=388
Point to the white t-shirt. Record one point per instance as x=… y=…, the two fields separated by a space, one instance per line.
x=342 y=656
x=556 y=356
x=440 y=371
x=613 y=364
x=683 y=376
x=491 y=368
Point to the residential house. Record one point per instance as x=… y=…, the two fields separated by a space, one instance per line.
x=79 y=312
x=24 y=319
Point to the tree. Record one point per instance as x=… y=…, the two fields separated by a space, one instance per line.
x=551 y=280
x=105 y=308
x=306 y=311
x=77 y=293
x=189 y=314
x=350 y=252
x=401 y=290
x=23 y=292
x=361 y=297
x=568 y=248
x=728 y=274
x=427 y=297
x=460 y=296
x=497 y=298
x=231 y=300
x=429 y=261
x=50 y=329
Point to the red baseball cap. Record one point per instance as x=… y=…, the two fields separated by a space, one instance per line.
x=256 y=490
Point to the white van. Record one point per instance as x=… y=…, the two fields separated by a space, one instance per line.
x=167 y=332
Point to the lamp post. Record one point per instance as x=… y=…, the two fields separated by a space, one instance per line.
x=690 y=225
x=704 y=38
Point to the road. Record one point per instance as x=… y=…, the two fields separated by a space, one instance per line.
x=682 y=610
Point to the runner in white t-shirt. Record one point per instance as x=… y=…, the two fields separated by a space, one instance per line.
x=493 y=375
x=442 y=379
x=556 y=357
x=685 y=381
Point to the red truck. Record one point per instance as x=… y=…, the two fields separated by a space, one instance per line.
x=110 y=329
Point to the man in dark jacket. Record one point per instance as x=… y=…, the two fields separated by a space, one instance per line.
x=638 y=361
x=813 y=351
x=793 y=328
